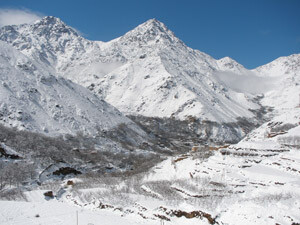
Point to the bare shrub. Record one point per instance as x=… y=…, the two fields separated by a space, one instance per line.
x=14 y=194
x=290 y=140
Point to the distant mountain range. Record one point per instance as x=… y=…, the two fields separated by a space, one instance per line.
x=147 y=72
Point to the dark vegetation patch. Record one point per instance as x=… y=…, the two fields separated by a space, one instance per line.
x=6 y=155
x=190 y=215
x=66 y=171
x=279 y=127
x=262 y=112
x=120 y=156
x=70 y=182
x=182 y=135
x=12 y=194
x=49 y=194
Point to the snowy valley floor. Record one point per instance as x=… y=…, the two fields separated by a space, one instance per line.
x=256 y=181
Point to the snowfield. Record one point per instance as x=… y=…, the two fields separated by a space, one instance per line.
x=58 y=214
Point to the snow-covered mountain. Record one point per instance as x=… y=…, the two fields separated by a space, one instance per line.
x=283 y=66
x=230 y=65
x=169 y=79
x=148 y=71
x=31 y=98
x=284 y=76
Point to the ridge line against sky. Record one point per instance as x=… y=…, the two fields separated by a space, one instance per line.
x=252 y=32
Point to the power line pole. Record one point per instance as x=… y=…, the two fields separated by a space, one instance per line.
x=77 y=217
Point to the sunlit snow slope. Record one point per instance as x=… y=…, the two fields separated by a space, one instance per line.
x=31 y=98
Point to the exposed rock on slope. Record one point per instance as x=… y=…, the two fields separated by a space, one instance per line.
x=33 y=99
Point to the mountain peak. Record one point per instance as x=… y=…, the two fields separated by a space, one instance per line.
x=53 y=25
x=226 y=59
x=154 y=25
x=150 y=30
x=282 y=65
x=49 y=20
x=228 y=64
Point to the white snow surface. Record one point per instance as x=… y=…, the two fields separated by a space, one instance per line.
x=31 y=98
x=284 y=73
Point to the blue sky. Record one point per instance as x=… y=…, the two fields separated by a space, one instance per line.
x=253 y=32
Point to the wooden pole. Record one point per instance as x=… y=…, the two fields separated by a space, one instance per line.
x=77 y=217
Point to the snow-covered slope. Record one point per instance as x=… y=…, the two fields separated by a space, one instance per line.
x=48 y=41
x=148 y=71
x=281 y=67
x=31 y=98
x=284 y=74
x=230 y=65
x=169 y=79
